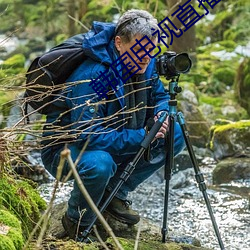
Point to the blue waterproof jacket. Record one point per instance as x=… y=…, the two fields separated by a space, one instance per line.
x=89 y=118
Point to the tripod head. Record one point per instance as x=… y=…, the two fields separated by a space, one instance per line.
x=174 y=89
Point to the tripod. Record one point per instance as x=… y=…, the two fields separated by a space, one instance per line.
x=173 y=90
x=169 y=163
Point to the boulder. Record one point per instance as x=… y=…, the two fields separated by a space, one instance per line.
x=232 y=139
x=231 y=169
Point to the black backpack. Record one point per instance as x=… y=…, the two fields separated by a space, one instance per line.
x=48 y=73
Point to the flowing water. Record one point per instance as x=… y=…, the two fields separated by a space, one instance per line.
x=187 y=212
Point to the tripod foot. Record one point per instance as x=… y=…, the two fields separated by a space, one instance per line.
x=164 y=232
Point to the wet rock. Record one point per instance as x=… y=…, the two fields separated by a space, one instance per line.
x=31 y=167
x=149 y=238
x=231 y=139
x=231 y=169
x=181 y=179
x=190 y=96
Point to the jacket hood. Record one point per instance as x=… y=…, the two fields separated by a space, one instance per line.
x=98 y=43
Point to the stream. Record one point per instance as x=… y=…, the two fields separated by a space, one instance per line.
x=187 y=212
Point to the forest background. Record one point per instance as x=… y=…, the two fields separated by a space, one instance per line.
x=218 y=43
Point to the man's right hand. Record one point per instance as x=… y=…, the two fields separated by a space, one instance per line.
x=164 y=128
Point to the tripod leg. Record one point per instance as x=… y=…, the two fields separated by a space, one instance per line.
x=199 y=177
x=168 y=173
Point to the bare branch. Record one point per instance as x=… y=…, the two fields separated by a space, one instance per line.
x=66 y=154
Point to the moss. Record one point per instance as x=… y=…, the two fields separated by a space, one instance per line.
x=10 y=220
x=66 y=245
x=13 y=239
x=6 y=243
x=229 y=45
x=128 y=244
x=16 y=61
x=224 y=75
x=13 y=71
x=22 y=200
x=222 y=122
x=221 y=132
x=236 y=125
x=214 y=101
x=16 y=237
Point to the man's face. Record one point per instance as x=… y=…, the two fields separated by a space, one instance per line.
x=144 y=62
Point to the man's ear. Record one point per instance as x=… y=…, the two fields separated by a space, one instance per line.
x=118 y=42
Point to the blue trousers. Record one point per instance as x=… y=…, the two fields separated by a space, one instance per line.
x=100 y=170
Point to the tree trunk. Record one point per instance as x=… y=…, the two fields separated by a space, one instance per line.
x=72 y=14
x=186 y=42
x=83 y=7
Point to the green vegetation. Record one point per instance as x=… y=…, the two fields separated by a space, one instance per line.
x=11 y=237
x=22 y=200
x=242 y=84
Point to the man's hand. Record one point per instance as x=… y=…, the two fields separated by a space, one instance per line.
x=164 y=128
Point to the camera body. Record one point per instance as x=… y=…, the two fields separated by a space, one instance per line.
x=172 y=65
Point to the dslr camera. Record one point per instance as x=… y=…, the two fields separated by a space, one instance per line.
x=172 y=65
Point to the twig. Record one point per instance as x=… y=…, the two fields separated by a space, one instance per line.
x=137 y=236
x=77 y=21
x=99 y=238
x=66 y=154
x=45 y=217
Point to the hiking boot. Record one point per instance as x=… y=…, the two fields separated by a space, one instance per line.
x=121 y=211
x=75 y=231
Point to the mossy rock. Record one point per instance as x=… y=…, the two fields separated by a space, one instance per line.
x=150 y=235
x=232 y=139
x=219 y=107
x=211 y=69
x=128 y=244
x=10 y=231
x=22 y=200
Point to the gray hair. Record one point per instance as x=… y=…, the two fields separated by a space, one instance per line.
x=136 y=22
